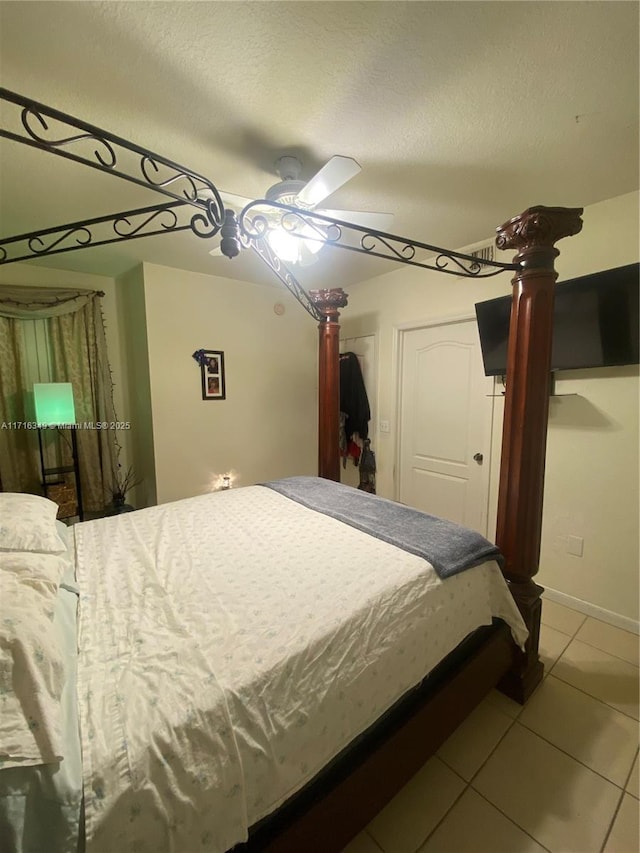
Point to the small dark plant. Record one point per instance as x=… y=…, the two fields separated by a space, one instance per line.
x=123 y=481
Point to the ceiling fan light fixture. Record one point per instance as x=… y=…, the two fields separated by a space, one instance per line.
x=284 y=244
x=295 y=236
x=312 y=239
x=285 y=192
x=289 y=244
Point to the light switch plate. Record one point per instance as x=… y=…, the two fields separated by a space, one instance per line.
x=575 y=545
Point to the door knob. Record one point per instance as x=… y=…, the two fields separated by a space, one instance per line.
x=478 y=458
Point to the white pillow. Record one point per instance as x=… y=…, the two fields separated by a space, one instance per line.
x=28 y=523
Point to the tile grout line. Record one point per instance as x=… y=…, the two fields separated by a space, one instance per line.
x=574 y=636
x=613 y=820
x=468 y=783
x=475 y=790
x=629 y=774
x=553 y=628
x=373 y=840
x=448 y=811
x=515 y=822
x=586 y=618
x=502 y=737
x=577 y=760
x=560 y=631
x=515 y=720
x=580 y=690
x=428 y=836
x=580 y=640
x=597 y=698
x=607 y=652
x=511 y=820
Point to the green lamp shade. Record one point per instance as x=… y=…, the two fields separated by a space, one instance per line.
x=54 y=403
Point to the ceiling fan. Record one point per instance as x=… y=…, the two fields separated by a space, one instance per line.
x=307 y=195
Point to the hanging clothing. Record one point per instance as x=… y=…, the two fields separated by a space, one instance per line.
x=353 y=397
x=368 y=469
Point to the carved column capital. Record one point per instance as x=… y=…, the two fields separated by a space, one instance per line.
x=329 y=301
x=535 y=231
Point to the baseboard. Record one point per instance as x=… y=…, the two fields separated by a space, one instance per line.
x=600 y=613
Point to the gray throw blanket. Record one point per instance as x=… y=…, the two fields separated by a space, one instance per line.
x=449 y=547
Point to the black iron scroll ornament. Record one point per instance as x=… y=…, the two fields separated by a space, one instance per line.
x=260 y=216
x=264 y=251
x=144 y=222
x=50 y=130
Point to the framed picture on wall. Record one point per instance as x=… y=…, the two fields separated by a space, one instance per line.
x=212 y=370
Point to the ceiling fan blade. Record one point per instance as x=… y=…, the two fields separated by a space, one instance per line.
x=365 y=218
x=336 y=172
x=235 y=202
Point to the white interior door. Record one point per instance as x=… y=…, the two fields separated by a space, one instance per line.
x=445 y=423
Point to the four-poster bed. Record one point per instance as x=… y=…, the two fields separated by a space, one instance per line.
x=333 y=806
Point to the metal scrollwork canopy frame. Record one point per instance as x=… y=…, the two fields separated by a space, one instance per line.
x=309 y=225
x=47 y=129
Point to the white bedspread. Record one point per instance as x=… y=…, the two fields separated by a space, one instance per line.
x=230 y=645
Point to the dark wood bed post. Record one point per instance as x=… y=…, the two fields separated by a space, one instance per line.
x=524 y=437
x=328 y=302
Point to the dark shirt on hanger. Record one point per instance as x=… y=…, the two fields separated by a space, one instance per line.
x=353 y=397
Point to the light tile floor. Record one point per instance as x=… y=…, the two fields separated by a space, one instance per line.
x=560 y=774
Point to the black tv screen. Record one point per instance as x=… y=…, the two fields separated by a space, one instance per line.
x=595 y=324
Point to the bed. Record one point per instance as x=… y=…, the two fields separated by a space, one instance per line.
x=202 y=705
x=337 y=792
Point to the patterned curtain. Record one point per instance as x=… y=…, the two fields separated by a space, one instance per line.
x=79 y=356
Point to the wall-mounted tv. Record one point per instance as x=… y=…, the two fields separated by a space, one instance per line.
x=595 y=323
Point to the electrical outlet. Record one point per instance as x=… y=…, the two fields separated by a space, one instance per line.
x=575 y=545
x=384 y=426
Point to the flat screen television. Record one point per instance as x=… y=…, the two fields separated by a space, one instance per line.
x=596 y=323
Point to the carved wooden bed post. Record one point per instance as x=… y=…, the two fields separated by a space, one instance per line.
x=519 y=526
x=328 y=302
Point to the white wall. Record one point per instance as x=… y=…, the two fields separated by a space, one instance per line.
x=267 y=426
x=593 y=465
x=591 y=488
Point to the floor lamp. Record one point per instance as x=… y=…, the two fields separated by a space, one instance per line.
x=54 y=407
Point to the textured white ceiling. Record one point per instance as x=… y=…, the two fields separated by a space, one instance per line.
x=461 y=114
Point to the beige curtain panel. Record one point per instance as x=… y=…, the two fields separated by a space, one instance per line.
x=79 y=356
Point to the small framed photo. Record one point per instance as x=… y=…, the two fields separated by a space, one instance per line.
x=212 y=370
